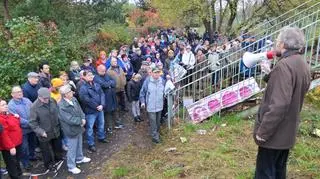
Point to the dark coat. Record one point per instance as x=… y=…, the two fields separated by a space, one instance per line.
x=71 y=117
x=91 y=97
x=278 y=117
x=44 y=118
x=136 y=62
x=133 y=89
x=74 y=75
x=108 y=86
x=30 y=91
x=44 y=80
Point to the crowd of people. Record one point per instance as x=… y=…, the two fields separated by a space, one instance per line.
x=50 y=114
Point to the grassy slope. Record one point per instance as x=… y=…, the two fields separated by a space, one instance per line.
x=224 y=152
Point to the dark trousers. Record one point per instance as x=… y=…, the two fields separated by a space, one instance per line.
x=112 y=119
x=121 y=99
x=271 y=163
x=13 y=163
x=164 y=111
x=28 y=146
x=51 y=151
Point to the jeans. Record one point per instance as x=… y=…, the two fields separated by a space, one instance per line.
x=271 y=163
x=90 y=120
x=135 y=107
x=12 y=163
x=28 y=146
x=154 y=119
x=74 y=150
x=51 y=151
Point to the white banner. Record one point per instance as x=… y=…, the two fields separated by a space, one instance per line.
x=230 y=96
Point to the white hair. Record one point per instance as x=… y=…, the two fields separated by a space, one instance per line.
x=292 y=38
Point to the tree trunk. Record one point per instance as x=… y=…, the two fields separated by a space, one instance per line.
x=233 y=13
x=222 y=17
x=211 y=24
x=6 y=10
x=243 y=10
x=214 y=16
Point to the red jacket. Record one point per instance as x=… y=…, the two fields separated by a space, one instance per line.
x=100 y=62
x=11 y=136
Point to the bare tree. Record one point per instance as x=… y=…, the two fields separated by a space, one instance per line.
x=233 y=5
x=6 y=10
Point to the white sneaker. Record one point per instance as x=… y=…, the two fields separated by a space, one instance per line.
x=84 y=160
x=75 y=170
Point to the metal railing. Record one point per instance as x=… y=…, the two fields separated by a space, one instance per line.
x=234 y=72
x=258 y=44
x=287 y=14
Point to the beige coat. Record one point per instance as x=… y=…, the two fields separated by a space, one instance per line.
x=119 y=76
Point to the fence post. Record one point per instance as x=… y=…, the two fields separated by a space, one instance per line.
x=170 y=106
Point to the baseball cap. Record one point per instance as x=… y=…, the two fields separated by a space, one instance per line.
x=155 y=69
x=32 y=74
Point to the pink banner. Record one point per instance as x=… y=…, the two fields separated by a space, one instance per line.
x=228 y=97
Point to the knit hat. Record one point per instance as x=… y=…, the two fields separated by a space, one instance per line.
x=65 y=89
x=44 y=92
x=56 y=82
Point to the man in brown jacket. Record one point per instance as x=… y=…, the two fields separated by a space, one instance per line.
x=117 y=74
x=278 y=117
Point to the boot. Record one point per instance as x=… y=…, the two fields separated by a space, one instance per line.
x=140 y=118
x=136 y=119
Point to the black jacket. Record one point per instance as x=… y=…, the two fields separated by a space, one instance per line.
x=133 y=90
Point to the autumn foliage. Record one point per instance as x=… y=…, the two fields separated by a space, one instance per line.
x=145 y=21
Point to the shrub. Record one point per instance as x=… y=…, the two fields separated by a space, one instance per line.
x=31 y=42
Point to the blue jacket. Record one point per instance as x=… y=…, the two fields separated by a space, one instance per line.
x=108 y=86
x=30 y=91
x=129 y=69
x=152 y=94
x=22 y=108
x=120 y=64
x=91 y=97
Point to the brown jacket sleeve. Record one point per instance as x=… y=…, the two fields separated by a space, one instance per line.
x=279 y=91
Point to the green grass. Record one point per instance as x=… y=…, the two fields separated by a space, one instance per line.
x=172 y=172
x=120 y=172
x=223 y=152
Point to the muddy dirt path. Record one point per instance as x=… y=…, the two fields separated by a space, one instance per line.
x=136 y=134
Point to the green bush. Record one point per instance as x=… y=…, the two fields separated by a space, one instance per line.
x=112 y=35
x=31 y=42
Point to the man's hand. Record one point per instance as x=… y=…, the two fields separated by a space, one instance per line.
x=44 y=135
x=99 y=108
x=143 y=105
x=260 y=139
x=13 y=151
x=16 y=115
x=265 y=67
x=83 y=122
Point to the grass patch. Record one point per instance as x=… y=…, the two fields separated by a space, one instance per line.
x=172 y=172
x=227 y=150
x=120 y=172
